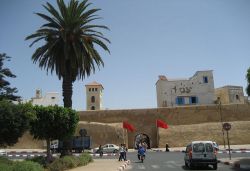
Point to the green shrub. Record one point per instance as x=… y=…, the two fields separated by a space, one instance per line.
x=39 y=159
x=5 y=167
x=27 y=166
x=69 y=162
x=57 y=165
x=5 y=164
x=85 y=158
x=5 y=160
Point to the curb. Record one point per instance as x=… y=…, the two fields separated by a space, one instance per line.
x=122 y=167
x=105 y=154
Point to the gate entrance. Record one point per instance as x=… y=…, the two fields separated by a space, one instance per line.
x=141 y=138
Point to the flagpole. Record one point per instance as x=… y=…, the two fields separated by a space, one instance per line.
x=123 y=136
x=157 y=134
x=125 y=141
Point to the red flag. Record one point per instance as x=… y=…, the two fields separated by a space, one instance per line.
x=128 y=126
x=161 y=123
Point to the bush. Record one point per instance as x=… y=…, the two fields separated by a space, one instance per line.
x=27 y=166
x=69 y=162
x=5 y=164
x=57 y=165
x=39 y=159
x=85 y=158
x=5 y=160
x=5 y=167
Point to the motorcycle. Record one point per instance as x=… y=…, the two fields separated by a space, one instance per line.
x=141 y=153
x=141 y=157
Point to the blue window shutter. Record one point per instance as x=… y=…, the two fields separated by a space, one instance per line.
x=176 y=100
x=190 y=100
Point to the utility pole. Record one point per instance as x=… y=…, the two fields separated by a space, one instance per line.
x=221 y=120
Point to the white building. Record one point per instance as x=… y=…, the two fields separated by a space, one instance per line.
x=50 y=99
x=197 y=90
x=94 y=92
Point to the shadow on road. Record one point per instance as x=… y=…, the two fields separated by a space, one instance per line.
x=244 y=165
x=197 y=168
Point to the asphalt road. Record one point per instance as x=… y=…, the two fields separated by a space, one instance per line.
x=162 y=161
x=159 y=161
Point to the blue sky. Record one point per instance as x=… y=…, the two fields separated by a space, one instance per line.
x=149 y=38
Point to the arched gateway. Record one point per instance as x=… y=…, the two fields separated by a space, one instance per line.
x=141 y=138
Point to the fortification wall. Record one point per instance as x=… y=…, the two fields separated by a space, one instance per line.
x=185 y=124
x=144 y=119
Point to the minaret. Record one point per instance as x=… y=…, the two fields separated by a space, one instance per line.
x=94 y=96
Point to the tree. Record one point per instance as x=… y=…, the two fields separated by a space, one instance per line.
x=248 y=82
x=53 y=122
x=14 y=121
x=69 y=43
x=6 y=92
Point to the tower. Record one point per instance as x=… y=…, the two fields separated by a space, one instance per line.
x=94 y=96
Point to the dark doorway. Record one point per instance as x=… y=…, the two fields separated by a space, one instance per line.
x=141 y=138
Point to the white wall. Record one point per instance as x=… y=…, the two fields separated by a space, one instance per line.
x=168 y=90
x=51 y=98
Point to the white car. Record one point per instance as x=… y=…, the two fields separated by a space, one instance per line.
x=200 y=153
x=3 y=152
x=107 y=148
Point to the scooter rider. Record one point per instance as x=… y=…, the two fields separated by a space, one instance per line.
x=141 y=152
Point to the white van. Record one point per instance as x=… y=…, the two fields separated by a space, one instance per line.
x=200 y=153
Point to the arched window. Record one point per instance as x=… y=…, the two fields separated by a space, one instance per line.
x=92 y=107
x=93 y=99
x=237 y=97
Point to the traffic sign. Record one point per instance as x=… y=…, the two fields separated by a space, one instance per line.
x=227 y=126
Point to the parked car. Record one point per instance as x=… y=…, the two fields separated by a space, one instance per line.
x=3 y=152
x=107 y=148
x=200 y=153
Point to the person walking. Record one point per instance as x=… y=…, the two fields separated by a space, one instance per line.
x=100 y=150
x=125 y=152
x=121 y=150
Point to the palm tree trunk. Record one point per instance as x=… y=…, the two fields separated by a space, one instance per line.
x=67 y=90
x=67 y=100
x=49 y=156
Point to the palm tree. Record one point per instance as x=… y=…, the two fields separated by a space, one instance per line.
x=70 y=42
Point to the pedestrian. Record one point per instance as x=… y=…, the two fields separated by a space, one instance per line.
x=145 y=146
x=167 y=147
x=121 y=150
x=125 y=152
x=100 y=150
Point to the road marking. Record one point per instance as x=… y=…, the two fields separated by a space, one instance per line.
x=141 y=167
x=155 y=166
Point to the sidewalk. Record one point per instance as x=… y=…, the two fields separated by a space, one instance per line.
x=237 y=162
x=103 y=165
